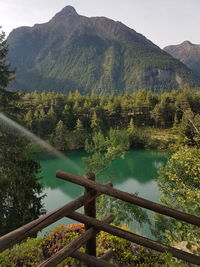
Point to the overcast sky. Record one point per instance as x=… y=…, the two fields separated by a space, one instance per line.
x=164 y=22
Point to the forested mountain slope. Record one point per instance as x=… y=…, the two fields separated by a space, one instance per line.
x=73 y=52
x=187 y=53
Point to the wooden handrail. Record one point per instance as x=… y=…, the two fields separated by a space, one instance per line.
x=33 y=227
x=93 y=190
x=73 y=246
x=129 y=198
x=143 y=241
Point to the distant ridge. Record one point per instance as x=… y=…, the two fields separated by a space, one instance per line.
x=188 y=53
x=74 y=52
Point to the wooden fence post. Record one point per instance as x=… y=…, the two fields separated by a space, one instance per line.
x=90 y=210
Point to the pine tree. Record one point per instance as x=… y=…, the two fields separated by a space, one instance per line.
x=60 y=137
x=79 y=134
x=29 y=117
x=131 y=128
x=95 y=123
x=6 y=75
x=20 y=192
x=79 y=126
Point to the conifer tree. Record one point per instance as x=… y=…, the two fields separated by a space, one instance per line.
x=20 y=199
x=60 y=138
x=131 y=128
x=95 y=123
x=79 y=134
x=6 y=75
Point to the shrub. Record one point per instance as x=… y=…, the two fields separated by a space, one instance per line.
x=34 y=251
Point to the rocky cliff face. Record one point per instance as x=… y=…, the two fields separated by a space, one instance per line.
x=73 y=52
x=187 y=53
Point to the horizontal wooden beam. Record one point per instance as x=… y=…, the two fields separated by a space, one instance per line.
x=33 y=227
x=73 y=246
x=129 y=198
x=97 y=262
x=143 y=241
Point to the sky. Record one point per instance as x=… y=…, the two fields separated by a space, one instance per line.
x=164 y=22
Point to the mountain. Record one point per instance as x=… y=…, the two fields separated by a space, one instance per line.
x=187 y=53
x=74 y=52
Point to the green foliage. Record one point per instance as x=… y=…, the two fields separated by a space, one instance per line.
x=28 y=253
x=6 y=75
x=189 y=128
x=60 y=136
x=20 y=191
x=7 y=99
x=140 y=139
x=179 y=183
x=95 y=113
x=182 y=174
x=124 y=212
x=105 y=149
x=35 y=250
x=95 y=123
x=80 y=134
x=127 y=253
x=131 y=128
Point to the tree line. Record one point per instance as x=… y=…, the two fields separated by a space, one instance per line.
x=68 y=120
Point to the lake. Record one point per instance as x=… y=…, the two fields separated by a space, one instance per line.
x=135 y=173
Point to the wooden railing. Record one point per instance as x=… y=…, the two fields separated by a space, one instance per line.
x=92 y=225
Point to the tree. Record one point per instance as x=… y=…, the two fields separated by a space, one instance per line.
x=20 y=192
x=179 y=183
x=79 y=134
x=79 y=126
x=60 y=136
x=131 y=128
x=68 y=115
x=95 y=123
x=163 y=112
x=105 y=149
x=6 y=75
x=29 y=119
x=156 y=114
x=189 y=128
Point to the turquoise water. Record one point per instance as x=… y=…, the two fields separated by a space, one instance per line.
x=136 y=173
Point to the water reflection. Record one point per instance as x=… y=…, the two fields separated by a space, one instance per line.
x=138 y=165
x=136 y=173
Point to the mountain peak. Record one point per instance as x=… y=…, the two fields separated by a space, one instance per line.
x=67 y=11
x=188 y=53
x=73 y=52
x=186 y=43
